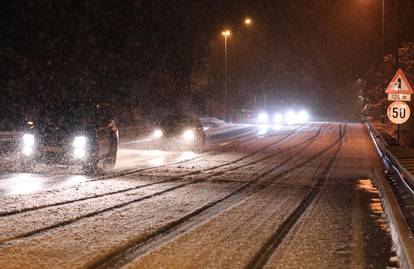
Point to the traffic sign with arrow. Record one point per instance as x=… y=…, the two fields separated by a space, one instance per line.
x=399 y=88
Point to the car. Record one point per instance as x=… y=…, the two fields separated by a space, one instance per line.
x=72 y=134
x=241 y=115
x=180 y=131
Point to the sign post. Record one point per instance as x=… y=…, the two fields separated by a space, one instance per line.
x=399 y=90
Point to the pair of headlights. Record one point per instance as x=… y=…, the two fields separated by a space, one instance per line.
x=290 y=117
x=79 y=145
x=187 y=134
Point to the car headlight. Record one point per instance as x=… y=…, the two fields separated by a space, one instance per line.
x=79 y=142
x=278 y=118
x=291 y=117
x=188 y=135
x=79 y=153
x=263 y=117
x=157 y=134
x=28 y=140
x=303 y=116
x=28 y=144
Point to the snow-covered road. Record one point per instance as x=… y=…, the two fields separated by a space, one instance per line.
x=259 y=197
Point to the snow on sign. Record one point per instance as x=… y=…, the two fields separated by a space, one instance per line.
x=399 y=87
x=398 y=112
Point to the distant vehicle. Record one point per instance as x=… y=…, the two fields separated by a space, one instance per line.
x=289 y=117
x=210 y=123
x=73 y=134
x=241 y=115
x=180 y=131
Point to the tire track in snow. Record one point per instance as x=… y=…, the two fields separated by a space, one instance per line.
x=233 y=140
x=120 y=255
x=171 y=179
x=270 y=246
x=136 y=172
x=94 y=213
x=233 y=225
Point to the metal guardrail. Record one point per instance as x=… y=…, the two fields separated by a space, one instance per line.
x=400 y=231
x=391 y=161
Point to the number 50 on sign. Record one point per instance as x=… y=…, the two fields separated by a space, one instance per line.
x=398 y=112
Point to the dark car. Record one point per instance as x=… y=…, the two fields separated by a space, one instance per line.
x=180 y=131
x=83 y=134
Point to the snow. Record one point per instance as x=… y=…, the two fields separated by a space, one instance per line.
x=238 y=195
x=70 y=246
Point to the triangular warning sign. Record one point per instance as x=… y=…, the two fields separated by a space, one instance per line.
x=399 y=84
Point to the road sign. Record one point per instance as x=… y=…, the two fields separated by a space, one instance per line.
x=399 y=84
x=399 y=97
x=398 y=112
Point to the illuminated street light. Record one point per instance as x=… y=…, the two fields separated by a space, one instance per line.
x=226 y=33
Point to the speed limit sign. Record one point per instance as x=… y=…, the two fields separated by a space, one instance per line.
x=398 y=112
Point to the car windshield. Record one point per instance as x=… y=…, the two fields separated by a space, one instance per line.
x=178 y=120
x=67 y=114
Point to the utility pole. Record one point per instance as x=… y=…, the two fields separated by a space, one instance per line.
x=226 y=34
x=397 y=35
x=397 y=56
x=246 y=22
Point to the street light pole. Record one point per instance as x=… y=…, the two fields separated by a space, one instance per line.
x=226 y=34
x=247 y=22
x=383 y=30
x=397 y=35
x=397 y=56
x=237 y=92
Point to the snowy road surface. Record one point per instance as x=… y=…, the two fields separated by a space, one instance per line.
x=259 y=197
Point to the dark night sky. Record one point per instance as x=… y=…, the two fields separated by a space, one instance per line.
x=329 y=44
x=305 y=50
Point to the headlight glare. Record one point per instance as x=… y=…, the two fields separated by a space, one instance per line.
x=79 y=142
x=278 y=118
x=291 y=117
x=27 y=150
x=303 y=116
x=28 y=140
x=263 y=117
x=157 y=133
x=188 y=135
x=79 y=153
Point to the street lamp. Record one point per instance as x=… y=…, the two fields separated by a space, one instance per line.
x=247 y=21
x=397 y=26
x=226 y=34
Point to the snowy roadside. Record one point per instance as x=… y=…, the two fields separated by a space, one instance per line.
x=395 y=198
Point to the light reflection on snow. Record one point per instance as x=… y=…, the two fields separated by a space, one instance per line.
x=138 y=141
x=277 y=127
x=186 y=155
x=153 y=152
x=375 y=205
x=24 y=184
x=263 y=129
x=74 y=180
x=128 y=158
x=157 y=161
